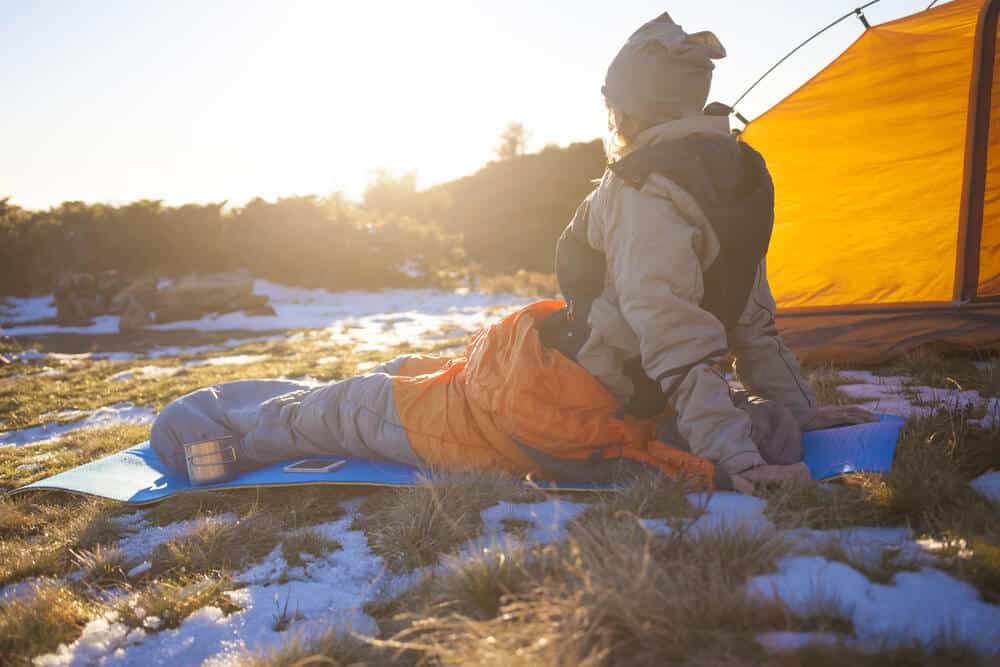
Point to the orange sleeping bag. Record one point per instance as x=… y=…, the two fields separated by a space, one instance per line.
x=514 y=404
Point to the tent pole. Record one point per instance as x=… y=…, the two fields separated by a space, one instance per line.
x=970 y=223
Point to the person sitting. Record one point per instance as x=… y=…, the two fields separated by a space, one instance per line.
x=664 y=276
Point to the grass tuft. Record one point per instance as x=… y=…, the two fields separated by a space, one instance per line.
x=165 y=604
x=414 y=527
x=38 y=621
x=334 y=648
x=306 y=542
x=39 y=540
x=216 y=546
x=104 y=566
x=826 y=380
x=611 y=593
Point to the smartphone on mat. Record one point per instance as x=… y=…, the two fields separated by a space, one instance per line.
x=315 y=465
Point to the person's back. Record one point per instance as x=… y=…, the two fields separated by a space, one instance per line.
x=675 y=235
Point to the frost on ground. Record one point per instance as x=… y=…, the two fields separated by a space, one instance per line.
x=112 y=415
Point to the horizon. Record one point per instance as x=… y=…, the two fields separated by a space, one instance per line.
x=188 y=104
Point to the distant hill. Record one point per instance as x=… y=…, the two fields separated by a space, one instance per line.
x=510 y=213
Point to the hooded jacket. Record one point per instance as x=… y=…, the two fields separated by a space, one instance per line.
x=671 y=296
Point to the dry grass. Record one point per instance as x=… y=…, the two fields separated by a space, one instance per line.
x=826 y=380
x=171 y=601
x=649 y=496
x=223 y=546
x=37 y=623
x=611 y=593
x=307 y=542
x=332 y=649
x=414 y=527
x=49 y=535
x=27 y=391
x=100 y=567
x=927 y=489
x=929 y=368
x=844 y=502
x=292 y=507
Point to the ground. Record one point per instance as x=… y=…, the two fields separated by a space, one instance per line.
x=896 y=569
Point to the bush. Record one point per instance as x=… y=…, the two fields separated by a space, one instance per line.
x=305 y=241
x=504 y=218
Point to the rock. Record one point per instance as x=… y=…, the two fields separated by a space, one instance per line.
x=142 y=290
x=76 y=299
x=195 y=296
x=75 y=283
x=135 y=317
x=107 y=284
x=253 y=304
x=74 y=310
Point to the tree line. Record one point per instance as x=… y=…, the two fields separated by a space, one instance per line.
x=505 y=217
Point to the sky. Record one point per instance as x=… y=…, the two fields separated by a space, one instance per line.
x=212 y=100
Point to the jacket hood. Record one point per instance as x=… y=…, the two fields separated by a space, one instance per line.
x=718 y=171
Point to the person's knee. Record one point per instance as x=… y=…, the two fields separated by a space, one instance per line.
x=775 y=432
x=166 y=438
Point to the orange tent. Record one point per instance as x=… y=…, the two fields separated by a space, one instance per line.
x=887 y=175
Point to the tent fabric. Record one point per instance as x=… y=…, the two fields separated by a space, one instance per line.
x=870 y=338
x=989 y=257
x=874 y=164
x=867 y=160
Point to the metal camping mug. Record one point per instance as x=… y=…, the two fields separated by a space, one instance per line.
x=211 y=461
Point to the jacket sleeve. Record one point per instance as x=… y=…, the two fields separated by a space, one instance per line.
x=657 y=275
x=764 y=364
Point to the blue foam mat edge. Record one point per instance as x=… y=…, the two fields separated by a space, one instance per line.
x=137 y=476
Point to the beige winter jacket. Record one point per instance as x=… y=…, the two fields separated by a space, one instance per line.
x=658 y=243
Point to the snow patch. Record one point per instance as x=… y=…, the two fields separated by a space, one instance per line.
x=139 y=545
x=232 y=360
x=548 y=519
x=298 y=308
x=145 y=372
x=890 y=394
x=20 y=589
x=100 y=637
x=65 y=415
x=989 y=486
x=113 y=415
x=326 y=593
x=103 y=324
x=927 y=606
x=792 y=642
x=723 y=511
x=142 y=568
x=14 y=310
